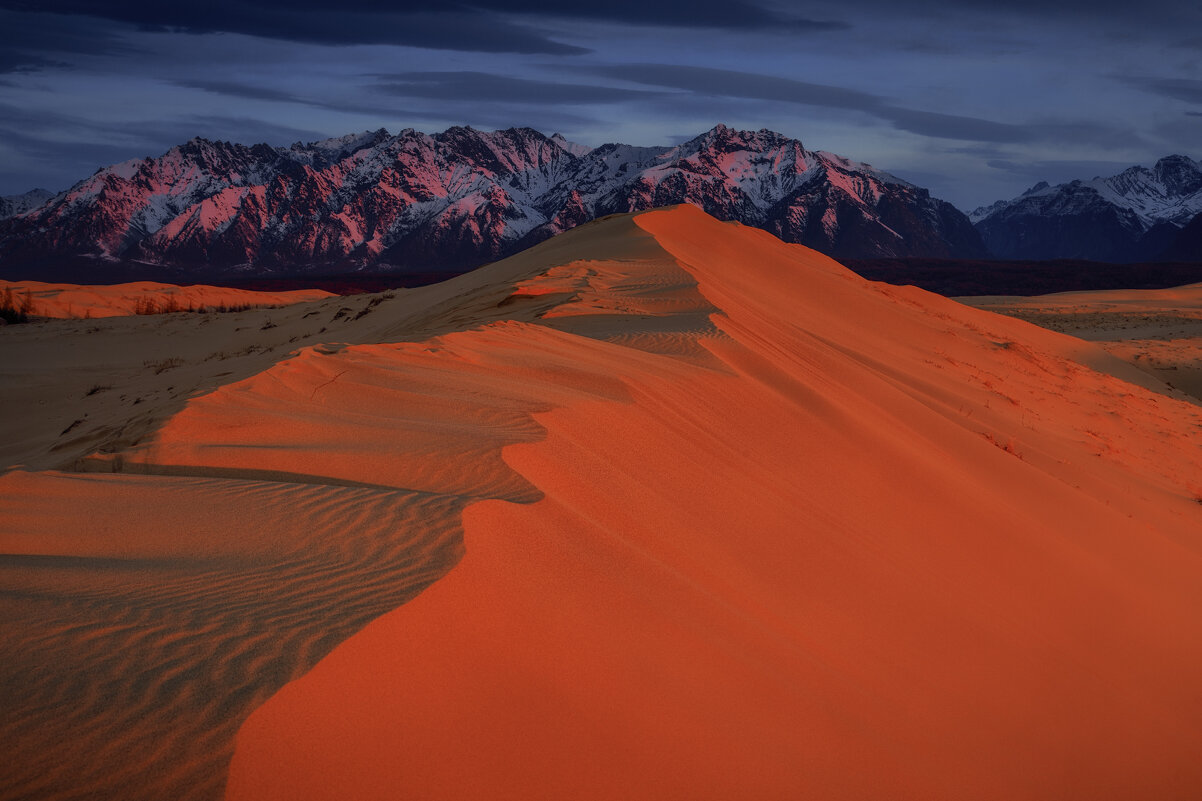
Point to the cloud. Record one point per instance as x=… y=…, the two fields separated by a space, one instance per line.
x=1148 y=15
x=345 y=23
x=1186 y=89
x=234 y=89
x=18 y=61
x=745 y=85
x=33 y=42
x=953 y=126
x=485 y=87
x=732 y=83
x=725 y=14
x=1058 y=171
x=248 y=92
x=56 y=150
x=289 y=20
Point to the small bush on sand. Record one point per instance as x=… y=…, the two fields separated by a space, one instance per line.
x=162 y=366
x=13 y=309
x=168 y=305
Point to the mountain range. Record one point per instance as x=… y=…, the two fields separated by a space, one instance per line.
x=1139 y=214
x=454 y=200
x=448 y=202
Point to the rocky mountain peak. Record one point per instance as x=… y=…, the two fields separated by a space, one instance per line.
x=1179 y=174
x=1128 y=216
x=455 y=199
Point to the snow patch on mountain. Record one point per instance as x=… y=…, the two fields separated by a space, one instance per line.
x=1130 y=216
x=570 y=147
x=462 y=197
x=1171 y=191
x=13 y=205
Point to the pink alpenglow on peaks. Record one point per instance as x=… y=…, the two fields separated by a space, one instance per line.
x=461 y=198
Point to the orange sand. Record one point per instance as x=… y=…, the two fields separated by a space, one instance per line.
x=737 y=524
x=883 y=547
x=68 y=301
x=1158 y=330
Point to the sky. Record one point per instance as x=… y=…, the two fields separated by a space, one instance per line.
x=976 y=100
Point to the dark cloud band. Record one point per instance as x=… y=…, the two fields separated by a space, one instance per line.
x=735 y=84
x=484 y=87
x=347 y=23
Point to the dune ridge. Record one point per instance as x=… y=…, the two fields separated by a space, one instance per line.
x=661 y=508
x=887 y=546
x=162 y=585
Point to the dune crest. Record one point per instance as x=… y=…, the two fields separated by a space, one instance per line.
x=660 y=508
x=181 y=564
x=853 y=541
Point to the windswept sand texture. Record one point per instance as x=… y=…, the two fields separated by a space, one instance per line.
x=75 y=301
x=1157 y=330
x=730 y=522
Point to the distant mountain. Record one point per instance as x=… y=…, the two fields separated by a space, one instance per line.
x=12 y=205
x=454 y=200
x=1132 y=216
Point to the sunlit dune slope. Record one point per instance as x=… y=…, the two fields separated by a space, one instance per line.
x=1157 y=330
x=875 y=544
x=145 y=297
x=215 y=525
x=687 y=512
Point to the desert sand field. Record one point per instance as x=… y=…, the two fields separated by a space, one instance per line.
x=661 y=508
x=72 y=301
x=1157 y=330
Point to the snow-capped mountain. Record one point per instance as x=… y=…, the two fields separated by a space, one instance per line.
x=460 y=198
x=1132 y=216
x=12 y=205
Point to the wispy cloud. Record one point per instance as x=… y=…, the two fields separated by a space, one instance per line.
x=709 y=81
x=725 y=14
x=1188 y=90
x=34 y=41
x=733 y=83
x=345 y=23
x=467 y=86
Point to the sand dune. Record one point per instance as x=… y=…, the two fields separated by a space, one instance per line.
x=692 y=514
x=1157 y=330
x=225 y=534
x=75 y=301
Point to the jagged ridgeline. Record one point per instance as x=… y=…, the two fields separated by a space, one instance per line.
x=454 y=200
x=1140 y=214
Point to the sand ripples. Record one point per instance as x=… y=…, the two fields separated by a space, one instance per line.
x=127 y=678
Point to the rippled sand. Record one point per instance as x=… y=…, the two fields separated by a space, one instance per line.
x=687 y=512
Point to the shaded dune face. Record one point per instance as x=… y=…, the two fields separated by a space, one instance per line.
x=129 y=665
x=156 y=595
x=691 y=513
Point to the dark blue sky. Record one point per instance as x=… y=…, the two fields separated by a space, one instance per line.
x=976 y=100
